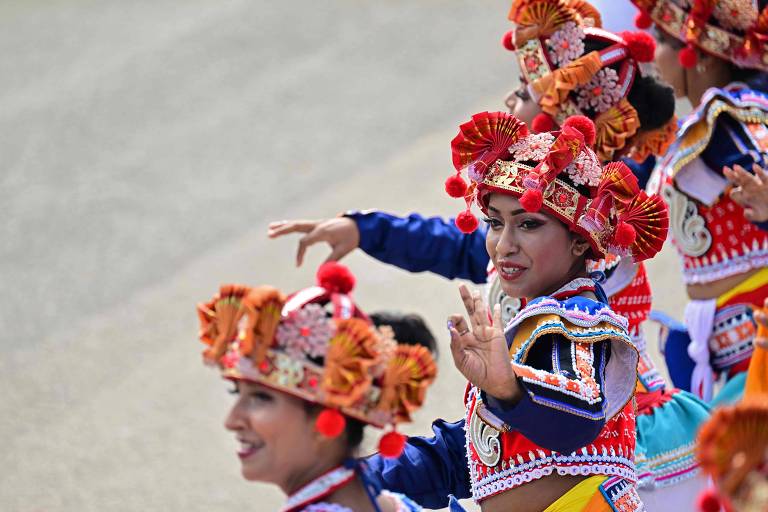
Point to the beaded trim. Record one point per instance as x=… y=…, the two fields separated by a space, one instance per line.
x=319 y=487
x=667 y=468
x=520 y=469
x=574 y=315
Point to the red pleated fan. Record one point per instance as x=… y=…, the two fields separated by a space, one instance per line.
x=486 y=138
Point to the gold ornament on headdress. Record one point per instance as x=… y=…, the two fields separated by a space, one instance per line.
x=614 y=127
x=553 y=89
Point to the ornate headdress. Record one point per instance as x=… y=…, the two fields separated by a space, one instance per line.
x=558 y=172
x=734 y=30
x=319 y=346
x=549 y=41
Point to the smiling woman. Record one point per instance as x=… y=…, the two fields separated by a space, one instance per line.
x=310 y=371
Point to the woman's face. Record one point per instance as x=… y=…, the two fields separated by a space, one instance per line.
x=669 y=65
x=277 y=439
x=521 y=105
x=534 y=253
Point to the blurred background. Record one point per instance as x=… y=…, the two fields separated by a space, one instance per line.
x=145 y=147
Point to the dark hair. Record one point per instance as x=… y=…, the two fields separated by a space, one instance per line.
x=653 y=99
x=353 y=430
x=410 y=329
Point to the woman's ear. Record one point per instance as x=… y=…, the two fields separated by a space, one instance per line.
x=579 y=246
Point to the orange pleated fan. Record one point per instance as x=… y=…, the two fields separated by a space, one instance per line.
x=734 y=441
x=351 y=353
x=649 y=218
x=537 y=18
x=485 y=138
x=262 y=306
x=405 y=381
x=587 y=11
x=219 y=319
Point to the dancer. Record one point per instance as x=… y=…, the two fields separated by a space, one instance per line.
x=712 y=53
x=310 y=372
x=554 y=429
x=634 y=116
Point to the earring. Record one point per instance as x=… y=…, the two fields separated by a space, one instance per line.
x=701 y=67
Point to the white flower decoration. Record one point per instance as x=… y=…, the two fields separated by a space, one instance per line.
x=601 y=93
x=585 y=169
x=566 y=44
x=306 y=332
x=533 y=147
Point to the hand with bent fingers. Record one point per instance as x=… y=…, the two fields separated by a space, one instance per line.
x=761 y=317
x=340 y=233
x=480 y=350
x=750 y=191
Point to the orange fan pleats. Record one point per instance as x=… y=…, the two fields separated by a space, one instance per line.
x=486 y=138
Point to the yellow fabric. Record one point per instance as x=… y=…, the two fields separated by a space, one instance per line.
x=752 y=283
x=582 y=497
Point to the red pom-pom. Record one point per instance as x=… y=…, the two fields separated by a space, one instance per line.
x=542 y=123
x=466 y=222
x=392 y=444
x=335 y=277
x=330 y=423
x=643 y=21
x=687 y=56
x=532 y=200
x=584 y=125
x=641 y=45
x=507 y=41
x=708 y=501
x=455 y=186
x=625 y=235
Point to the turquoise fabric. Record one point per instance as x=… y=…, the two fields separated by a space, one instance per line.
x=666 y=438
x=731 y=392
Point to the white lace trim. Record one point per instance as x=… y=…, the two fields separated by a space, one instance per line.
x=318 y=486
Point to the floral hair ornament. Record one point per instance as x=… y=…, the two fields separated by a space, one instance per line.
x=733 y=30
x=549 y=41
x=558 y=172
x=317 y=345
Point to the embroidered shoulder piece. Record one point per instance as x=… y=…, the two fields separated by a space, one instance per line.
x=746 y=106
x=583 y=323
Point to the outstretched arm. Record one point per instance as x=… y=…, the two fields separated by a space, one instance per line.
x=413 y=243
x=430 y=468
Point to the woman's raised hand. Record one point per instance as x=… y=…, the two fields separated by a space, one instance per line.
x=479 y=348
x=750 y=191
x=340 y=233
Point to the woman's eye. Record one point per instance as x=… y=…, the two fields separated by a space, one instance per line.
x=530 y=224
x=233 y=390
x=492 y=223
x=262 y=397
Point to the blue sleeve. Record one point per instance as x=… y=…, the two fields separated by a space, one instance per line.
x=430 y=468
x=416 y=244
x=563 y=391
x=727 y=146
